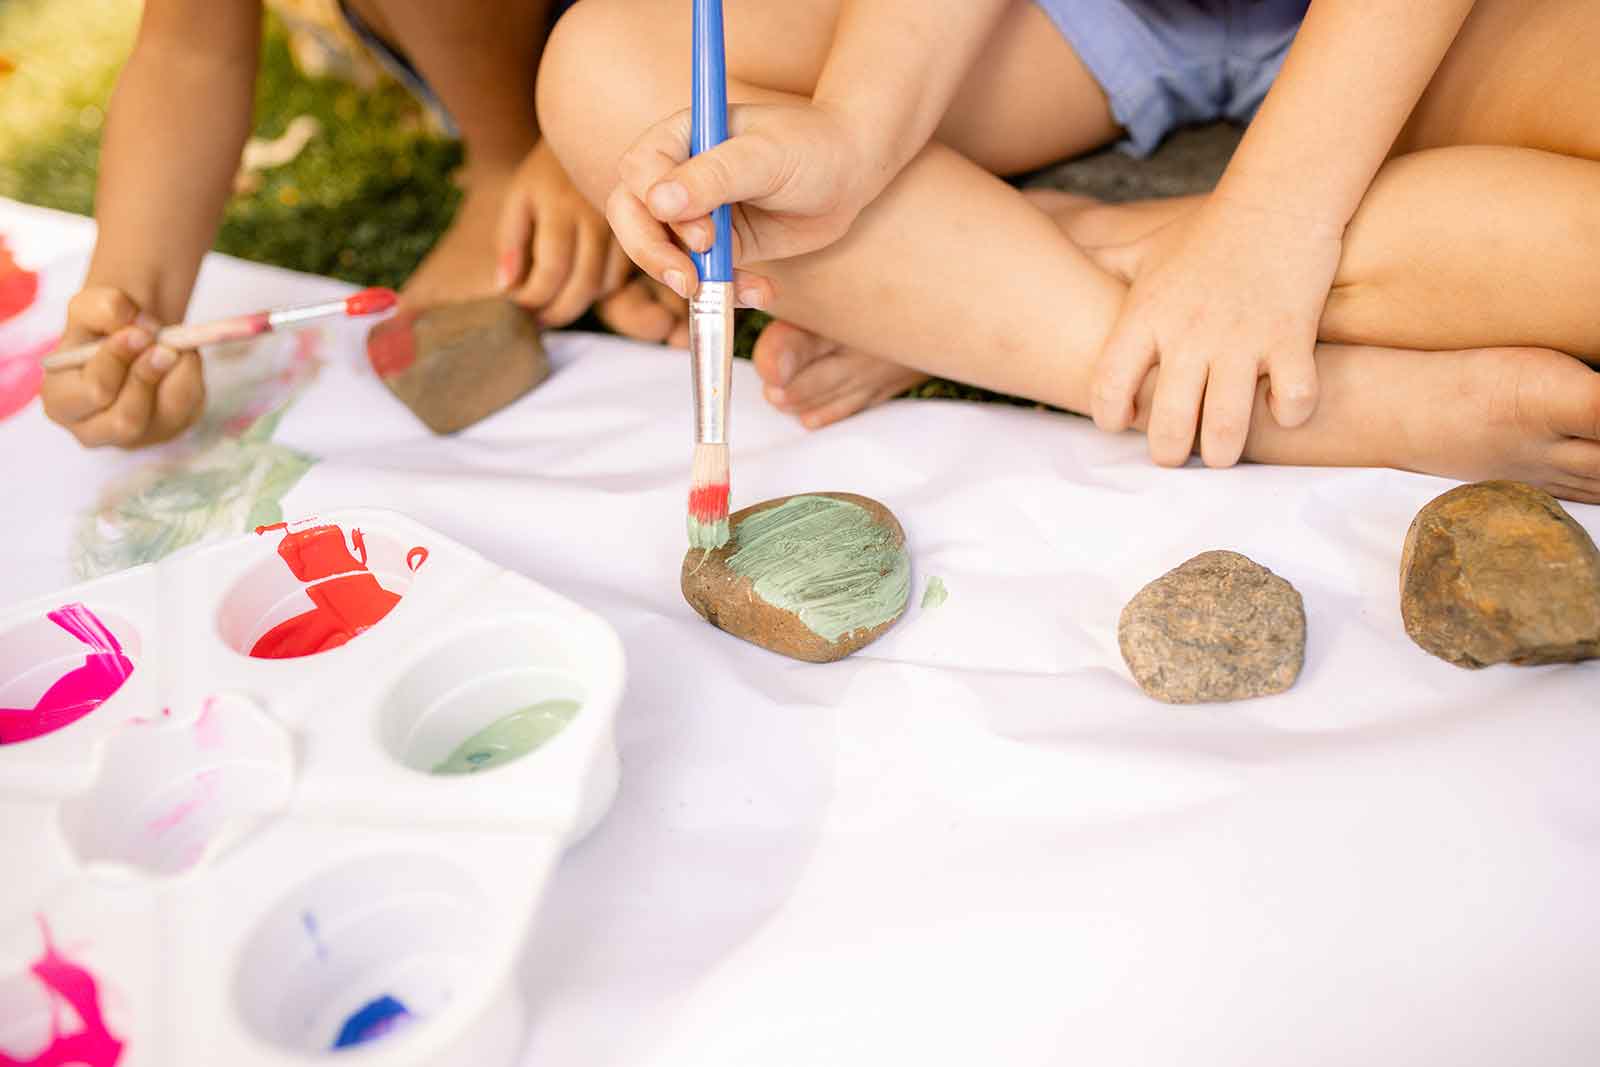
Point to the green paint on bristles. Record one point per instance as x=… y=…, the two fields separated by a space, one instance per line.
x=708 y=535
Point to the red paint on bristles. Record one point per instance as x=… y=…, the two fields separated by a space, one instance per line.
x=370 y=301
x=709 y=503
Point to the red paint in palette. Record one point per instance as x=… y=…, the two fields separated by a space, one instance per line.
x=709 y=503
x=348 y=598
x=18 y=287
x=92 y=1044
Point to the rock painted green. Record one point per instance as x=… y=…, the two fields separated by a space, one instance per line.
x=935 y=594
x=826 y=561
x=509 y=738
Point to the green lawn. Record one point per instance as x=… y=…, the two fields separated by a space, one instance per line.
x=363 y=203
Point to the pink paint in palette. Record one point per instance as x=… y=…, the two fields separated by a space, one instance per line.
x=79 y=691
x=67 y=983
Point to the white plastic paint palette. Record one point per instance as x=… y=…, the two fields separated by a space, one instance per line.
x=212 y=857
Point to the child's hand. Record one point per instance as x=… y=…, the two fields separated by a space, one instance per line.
x=1225 y=294
x=556 y=254
x=132 y=392
x=646 y=310
x=792 y=172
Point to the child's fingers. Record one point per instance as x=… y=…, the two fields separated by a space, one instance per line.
x=652 y=157
x=752 y=290
x=1293 y=373
x=634 y=312
x=512 y=231
x=180 y=397
x=618 y=267
x=739 y=169
x=1176 y=411
x=582 y=282
x=646 y=242
x=103 y=310
x=1127 y=357
x=1230 y=396
x=127 y=420
x=76 y=393
x=553 y=250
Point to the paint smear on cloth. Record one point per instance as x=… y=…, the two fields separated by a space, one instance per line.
x=826 y=561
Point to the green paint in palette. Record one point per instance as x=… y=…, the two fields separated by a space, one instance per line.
x=509 y=738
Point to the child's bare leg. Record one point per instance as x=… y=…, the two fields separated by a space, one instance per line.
x=952 y=272
x=481 y=58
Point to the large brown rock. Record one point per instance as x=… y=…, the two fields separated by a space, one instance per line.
x=1220 y=627
x=1498 y=572
x=813 y=577
x=456 y=364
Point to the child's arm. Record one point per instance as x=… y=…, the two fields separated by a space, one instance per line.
x=1237 y=289
x=798 y=174
x=178 y=121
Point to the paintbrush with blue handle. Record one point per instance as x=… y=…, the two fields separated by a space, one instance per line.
x=711 y=310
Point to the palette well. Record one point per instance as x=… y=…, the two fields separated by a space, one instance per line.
x=291 y=796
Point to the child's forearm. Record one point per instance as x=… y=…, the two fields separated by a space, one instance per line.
x=894 y=68
x=178 y=122
x=1353 y=76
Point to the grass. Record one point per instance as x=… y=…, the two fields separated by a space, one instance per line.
x=363 y=205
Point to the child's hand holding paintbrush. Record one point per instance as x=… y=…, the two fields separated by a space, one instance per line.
x=121 y=380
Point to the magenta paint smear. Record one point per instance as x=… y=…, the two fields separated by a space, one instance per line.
x=91 y=1046
x=203 y=792
x=21 y=374
x=78 y=692
x=208 y=727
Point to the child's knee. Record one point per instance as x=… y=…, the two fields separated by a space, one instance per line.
x=601 y=82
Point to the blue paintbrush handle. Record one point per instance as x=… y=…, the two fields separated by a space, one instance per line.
x=711 y=127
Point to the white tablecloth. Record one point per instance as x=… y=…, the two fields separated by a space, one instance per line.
x=976 y=841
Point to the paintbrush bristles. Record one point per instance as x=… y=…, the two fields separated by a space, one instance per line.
x=708 y=497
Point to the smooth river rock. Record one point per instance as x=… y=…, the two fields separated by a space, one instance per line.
x=813 y=577
x=1220 y=627
x=1498 y=572
x=456 y=364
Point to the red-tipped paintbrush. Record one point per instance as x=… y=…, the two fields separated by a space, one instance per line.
x=240 y=327
x=711 y=310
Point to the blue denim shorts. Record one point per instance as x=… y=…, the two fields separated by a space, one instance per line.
x=1168 y=63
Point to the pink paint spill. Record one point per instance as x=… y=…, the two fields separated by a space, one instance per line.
x=78 y=692
x=208 y=728
x=205 y=790
x=18 y=287
x=91 y=1046
x=349 y=601
x=21 y=374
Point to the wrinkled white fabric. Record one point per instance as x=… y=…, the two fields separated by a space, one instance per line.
x=976 y=842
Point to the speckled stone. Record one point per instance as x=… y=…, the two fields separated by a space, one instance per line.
x=456 y=364
x=1220 y=627
x=1498 y=572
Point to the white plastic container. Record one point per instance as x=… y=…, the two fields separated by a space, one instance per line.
x=229 y=859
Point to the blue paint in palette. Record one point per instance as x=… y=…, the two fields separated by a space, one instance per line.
x=378 y=1018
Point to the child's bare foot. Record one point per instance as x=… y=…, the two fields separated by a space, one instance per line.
x=461 y=265
x=1528 y=414
x=821 y=381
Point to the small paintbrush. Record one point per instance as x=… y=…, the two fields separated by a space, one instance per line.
x=240 y=327
x=711 y=310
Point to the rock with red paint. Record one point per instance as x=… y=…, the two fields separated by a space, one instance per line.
x=457 y=364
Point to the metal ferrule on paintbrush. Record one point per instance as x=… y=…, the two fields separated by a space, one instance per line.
x=711 y=351
x=711 y=308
